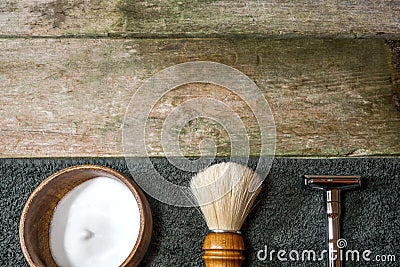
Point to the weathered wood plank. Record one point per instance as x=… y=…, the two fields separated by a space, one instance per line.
x=395 y=49
x=198 y=18
x=58 y=17
x=67 y=97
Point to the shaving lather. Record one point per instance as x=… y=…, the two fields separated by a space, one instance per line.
x=333 y=185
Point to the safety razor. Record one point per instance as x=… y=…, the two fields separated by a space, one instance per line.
x=333 y=186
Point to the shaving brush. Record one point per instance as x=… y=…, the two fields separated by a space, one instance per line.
x=225 y=193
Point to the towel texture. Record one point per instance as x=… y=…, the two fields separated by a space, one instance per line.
x=286 y=216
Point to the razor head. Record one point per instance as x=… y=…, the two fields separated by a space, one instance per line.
x=329 y=182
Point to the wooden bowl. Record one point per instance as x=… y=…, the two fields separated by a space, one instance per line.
x=38 y=211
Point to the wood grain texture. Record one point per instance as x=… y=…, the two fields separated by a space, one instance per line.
x=395 y=48
x=67 y=97
x=58 y=17
x=223 y=249
x=199 y=18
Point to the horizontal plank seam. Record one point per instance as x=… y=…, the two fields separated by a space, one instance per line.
x=119 y=157
x=389 y=36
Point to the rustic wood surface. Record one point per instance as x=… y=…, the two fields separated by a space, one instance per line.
x=67 y=97
x=199 y=18
x=395 y=48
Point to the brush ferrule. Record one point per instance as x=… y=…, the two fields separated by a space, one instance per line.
x=225 y=231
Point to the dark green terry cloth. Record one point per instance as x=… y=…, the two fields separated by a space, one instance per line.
x=286 y=217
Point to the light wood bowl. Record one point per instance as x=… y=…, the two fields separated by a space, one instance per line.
x=38 y=212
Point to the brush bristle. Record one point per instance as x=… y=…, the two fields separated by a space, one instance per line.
x=225 y=193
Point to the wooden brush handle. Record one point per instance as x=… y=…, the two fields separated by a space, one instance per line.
x=223 y=249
